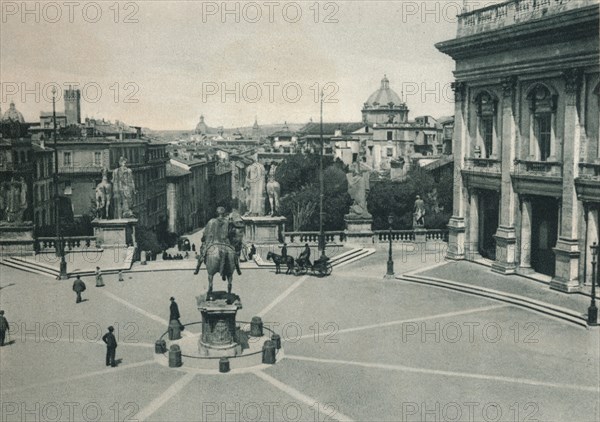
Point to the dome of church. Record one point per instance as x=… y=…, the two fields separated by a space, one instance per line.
x=384 y=96
x=13 y=114
x=201 y=127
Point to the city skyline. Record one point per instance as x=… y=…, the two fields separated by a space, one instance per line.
x=176 y=63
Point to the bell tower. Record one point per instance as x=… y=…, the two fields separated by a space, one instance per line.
x=73 y=106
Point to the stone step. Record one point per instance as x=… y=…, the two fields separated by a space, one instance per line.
x=545 y=308
x=27 y=267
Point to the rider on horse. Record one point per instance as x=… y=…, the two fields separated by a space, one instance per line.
x=216 y=231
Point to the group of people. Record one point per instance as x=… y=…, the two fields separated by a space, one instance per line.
x=109 y=338
x=168 y=257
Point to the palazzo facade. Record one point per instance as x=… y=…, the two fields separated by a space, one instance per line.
x=526 y=138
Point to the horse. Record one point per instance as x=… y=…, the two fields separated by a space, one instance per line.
x=223 y=258
x=220 y=258
x=273 y=191
x=278 y=260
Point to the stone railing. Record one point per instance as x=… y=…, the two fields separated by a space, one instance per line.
x=483 y=165
x=76 y=243
x=534 y=168
x=313 y=237
x=407 y=236
x=589 y=170
x=512 y=12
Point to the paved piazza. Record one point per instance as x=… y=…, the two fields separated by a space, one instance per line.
x=355 y=347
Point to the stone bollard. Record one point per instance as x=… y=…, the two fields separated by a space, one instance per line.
x=256 y=327
x=143 y=257
x=277 y=340
x=223 y=365
x=160 y=347
x=175 y=357
x=174 y=330
x=268 y=352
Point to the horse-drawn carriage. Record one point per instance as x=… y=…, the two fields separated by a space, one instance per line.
x=301 y=265
x=320 y=268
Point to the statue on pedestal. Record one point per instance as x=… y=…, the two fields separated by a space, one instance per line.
x=419 y=213
x=103 y=196
x=255 y=187
x=358 y=188
x=14 y=200
x=124 y=188
x=273 y=191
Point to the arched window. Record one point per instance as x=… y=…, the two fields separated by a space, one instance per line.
x=487 y=107
x=542 y=106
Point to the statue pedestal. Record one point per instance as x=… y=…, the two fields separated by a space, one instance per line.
x=264 y=230
x=16 y=239
x=420 y=234
x=112 y=234
x=219 y=336
x=359 y=230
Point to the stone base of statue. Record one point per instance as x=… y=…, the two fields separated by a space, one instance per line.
x=359 y=229
x=16 y=239
x=118 y=233
x=264 y=230
x=220 y=337
x=420 y=234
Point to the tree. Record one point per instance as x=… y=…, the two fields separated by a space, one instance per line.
x=398 y=199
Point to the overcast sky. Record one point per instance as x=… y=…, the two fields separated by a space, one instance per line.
x=173 y=60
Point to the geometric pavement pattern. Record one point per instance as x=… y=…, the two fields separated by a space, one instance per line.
x=356 y=347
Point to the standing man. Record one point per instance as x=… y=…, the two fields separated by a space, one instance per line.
x=79 y=288
x=111 y=346
x=3 y=328
x=284 y=250
x=174 y=312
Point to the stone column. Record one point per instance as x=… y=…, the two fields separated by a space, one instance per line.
x=526 y=210
x=460 y=143
x=506 y=237
x=567 y=247
x=592 y=236
x=473 y=245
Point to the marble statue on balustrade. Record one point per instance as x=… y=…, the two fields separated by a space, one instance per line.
x=273 y=192
x=103 y=197
x=419 y=213
x=255 y=190
x=13 y=200
x=123 y=190
x=358 y=188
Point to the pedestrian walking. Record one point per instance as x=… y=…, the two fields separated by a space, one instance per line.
x=111 y=346
x=121 y=275
x=99 y=282
x=252 y=251
x=79 y=288
x=3 y=328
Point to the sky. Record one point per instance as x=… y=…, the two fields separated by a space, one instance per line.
x=161 y=64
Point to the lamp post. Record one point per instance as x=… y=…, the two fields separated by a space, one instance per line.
x=390 y=263
x=321 y=189
x=60 y=250
x=593 y=309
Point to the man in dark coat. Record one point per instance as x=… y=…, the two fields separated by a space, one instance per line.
x=174 y=313
x=78 y=287
x=305 y=255
x=284 y=250
x=3 y=328
x=111 y=346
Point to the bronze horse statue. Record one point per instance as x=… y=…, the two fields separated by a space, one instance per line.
x=223 y=257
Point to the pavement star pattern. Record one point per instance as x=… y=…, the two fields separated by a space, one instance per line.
x=356 y=349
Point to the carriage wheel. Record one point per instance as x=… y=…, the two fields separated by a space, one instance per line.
x=329 y=268
x=321 y=271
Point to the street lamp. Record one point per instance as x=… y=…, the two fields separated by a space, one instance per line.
x=321 y=190
x=390 y=263
x=60 y=250
x=593 y=310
